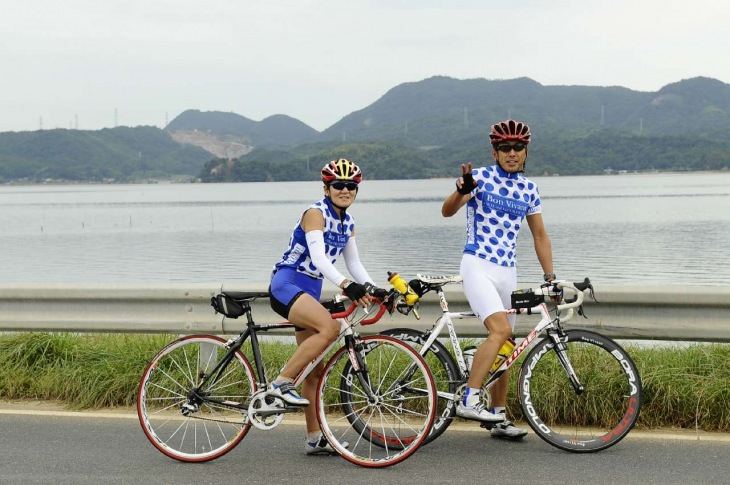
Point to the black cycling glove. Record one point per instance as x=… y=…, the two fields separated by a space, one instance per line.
x=468 y=184
x=354 y=291
x=373 y=290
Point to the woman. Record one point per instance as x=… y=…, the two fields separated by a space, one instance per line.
x=324 y=231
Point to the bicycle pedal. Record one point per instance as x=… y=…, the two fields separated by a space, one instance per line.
x=487 y=426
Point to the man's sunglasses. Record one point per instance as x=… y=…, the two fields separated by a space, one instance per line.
x=517 y=147
x=351 y=186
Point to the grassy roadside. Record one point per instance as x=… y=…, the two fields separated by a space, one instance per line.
x=685 y=387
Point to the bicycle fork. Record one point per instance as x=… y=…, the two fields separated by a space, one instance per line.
x=561 y=350
x=357 y=350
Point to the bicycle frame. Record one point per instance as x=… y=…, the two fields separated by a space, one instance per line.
x=546 y=323
x=252 y=329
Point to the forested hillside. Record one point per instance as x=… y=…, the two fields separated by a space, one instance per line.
x=415 y=130
x=116 y=154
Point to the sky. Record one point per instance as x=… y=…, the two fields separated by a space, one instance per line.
x=93 y=64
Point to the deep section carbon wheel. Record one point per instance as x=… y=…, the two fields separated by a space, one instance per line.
x=600 y=412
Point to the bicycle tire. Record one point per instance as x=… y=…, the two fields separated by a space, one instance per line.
x=445 y=375
x=212 y=430
x=598 y=418
x=388 y=428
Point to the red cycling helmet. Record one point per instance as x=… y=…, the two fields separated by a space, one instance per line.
x=510 y=130
x=341 y=169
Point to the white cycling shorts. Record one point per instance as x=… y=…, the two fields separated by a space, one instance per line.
x=488 y=286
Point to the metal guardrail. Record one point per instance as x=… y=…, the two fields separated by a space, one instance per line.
x=699 y=314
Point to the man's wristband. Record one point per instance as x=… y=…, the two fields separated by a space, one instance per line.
x=548 y=276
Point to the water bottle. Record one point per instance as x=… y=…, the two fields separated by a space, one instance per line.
x=504 y=353
x=469 y=355
x=402 y=286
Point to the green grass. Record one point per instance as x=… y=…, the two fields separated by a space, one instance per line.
x=684 y=387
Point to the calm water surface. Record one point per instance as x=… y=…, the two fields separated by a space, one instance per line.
x=658 y=228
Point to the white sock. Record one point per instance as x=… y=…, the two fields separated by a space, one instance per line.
x=471 y=397
x=498 y=410
x=279 y=381
x=314 y=437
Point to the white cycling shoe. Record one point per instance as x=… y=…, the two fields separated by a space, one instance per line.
x=288 y=394
x=507 y=429
x=478 y=413
x=321 y=447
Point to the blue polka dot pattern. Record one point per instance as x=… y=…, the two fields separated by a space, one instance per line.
x=336 y=235
x=495 y=214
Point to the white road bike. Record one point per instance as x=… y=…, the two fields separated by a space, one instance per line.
x=578 y=390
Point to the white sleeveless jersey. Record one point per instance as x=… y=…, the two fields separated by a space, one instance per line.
x=336 y=235
x=496 y=212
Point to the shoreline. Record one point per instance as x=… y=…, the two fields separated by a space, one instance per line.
x=195 y=180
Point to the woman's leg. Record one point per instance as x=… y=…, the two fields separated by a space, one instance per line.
x=308 y=313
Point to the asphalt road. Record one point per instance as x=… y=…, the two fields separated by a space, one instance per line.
x=82 y=448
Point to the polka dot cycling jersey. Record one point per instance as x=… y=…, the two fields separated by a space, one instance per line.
x=495 y=213
x=336 y=235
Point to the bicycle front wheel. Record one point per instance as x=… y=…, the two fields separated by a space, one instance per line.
x=363 y=407
x=587 y=420
x=445 y=375
x=190 y=427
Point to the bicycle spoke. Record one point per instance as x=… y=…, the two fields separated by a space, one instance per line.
x=186 y=425
x=381 y=425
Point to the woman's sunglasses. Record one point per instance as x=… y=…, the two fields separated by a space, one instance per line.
x=351 y=186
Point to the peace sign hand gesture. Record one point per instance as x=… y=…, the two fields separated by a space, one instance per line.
x=465 y=184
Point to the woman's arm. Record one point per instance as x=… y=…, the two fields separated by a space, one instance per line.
x=313 y=226
x=353 y=263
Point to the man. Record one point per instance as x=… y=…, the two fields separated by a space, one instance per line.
x=499 y=198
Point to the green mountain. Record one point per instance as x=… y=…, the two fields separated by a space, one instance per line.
x=415 y=130
x=276 y=130
x=118 y=154
x=428 y=128
x=441 y=110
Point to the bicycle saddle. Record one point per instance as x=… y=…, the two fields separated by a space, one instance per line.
x=438 y=280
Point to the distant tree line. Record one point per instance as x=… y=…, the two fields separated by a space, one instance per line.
x=595 y=153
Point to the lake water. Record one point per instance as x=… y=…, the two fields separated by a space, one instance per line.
x=656 y=228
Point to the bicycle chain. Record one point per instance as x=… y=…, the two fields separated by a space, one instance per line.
x=217 y=420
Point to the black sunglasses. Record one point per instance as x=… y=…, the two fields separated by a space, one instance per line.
x=517 y=147
x=351 y=186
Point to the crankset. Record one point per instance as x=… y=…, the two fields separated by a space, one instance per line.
x=266 y=412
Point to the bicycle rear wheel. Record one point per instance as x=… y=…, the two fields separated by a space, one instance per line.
x=590 y=421
x=445 y=376
x=189 y=428
x=364 y=412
